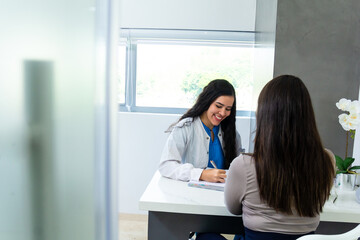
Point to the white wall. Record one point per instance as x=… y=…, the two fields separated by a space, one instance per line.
x=189 y=14
x=141 y=140
x=356 y=149
x=356 y=153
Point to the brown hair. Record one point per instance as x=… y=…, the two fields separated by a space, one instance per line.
x=217 y=88
x=293 y=170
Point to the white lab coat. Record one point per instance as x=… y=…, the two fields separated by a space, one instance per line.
x=186 y=151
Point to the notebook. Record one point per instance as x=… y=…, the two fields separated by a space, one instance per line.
x=207 y=185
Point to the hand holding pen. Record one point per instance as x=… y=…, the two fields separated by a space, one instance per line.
x=213 y=174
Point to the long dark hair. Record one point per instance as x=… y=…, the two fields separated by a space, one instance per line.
x=215 y=89
x=293 y=170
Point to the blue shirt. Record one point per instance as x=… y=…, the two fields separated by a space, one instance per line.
x=215 y=150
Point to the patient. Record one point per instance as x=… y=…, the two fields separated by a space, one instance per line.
x=281 y=188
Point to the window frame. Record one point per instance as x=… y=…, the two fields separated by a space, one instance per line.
x=131 y=37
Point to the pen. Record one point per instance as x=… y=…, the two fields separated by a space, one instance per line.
x=336 y=196
x=213 y=163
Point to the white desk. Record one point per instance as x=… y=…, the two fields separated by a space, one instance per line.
x=176 y=209
x=345 y=208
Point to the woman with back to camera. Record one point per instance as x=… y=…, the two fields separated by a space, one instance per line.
x=281 y=188
x=205 y=132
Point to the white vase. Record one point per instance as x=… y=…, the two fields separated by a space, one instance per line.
x=345 y=181
x=357 y=182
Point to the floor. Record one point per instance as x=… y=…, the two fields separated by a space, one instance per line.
x=134 y=227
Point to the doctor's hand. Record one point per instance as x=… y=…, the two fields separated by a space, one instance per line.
x=213 y=175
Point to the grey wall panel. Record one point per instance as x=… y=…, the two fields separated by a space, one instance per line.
x=265 y=22
x=319 y=41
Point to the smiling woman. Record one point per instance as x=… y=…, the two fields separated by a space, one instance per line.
x=218 y=111
x=205 y=132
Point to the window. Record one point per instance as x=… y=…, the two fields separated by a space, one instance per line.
x=163 y=71
x=121 y=74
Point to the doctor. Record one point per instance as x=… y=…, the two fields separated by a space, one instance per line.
x=205 y=132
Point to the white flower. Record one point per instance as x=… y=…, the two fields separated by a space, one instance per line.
x=354 y=107
x=349 y=121
x=344 y=121
x=343 y=104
